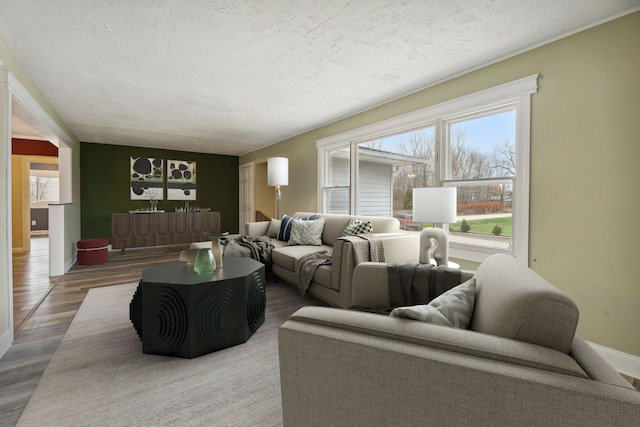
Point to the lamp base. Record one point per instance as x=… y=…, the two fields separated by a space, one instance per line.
x=278 y=196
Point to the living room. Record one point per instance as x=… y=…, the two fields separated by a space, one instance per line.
x=583 y=172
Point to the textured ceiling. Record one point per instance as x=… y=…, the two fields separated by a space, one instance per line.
x=229 y=77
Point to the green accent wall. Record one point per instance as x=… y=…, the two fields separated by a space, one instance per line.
x=104 y=185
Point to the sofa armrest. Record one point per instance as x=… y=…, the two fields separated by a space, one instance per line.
x=337 y=368
x=398 y=247
x=370 y=285
x=257 y=229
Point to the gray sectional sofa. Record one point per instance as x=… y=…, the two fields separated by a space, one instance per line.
x=332 y=282
x=520 y=363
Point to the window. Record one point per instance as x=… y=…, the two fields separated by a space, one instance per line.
x=336 y=191
x=44 y=184
x=43 y=189
x=478 y=143
x=480 y=151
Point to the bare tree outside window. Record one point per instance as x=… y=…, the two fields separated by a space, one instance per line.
x=43 y=189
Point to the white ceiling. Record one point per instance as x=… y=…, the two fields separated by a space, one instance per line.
x=229 y=77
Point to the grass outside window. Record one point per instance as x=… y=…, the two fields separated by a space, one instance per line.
x=485 y=226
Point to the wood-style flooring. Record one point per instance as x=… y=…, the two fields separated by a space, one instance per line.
x=31 y=281
x=44 y=308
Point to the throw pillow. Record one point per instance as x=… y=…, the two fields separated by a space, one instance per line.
x=358 y=226
x=307 y=232
x=285 y=226
x=453 y=308
x=274 y=227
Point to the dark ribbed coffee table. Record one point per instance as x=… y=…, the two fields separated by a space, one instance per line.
x=178 y=312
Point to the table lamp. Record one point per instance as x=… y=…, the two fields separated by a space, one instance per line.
x=438 y=206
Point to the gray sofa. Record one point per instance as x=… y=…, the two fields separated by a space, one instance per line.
x=520 y=363
x=332 y=283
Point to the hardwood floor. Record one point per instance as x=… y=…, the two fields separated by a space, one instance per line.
x=31 y=281
x=44 y=308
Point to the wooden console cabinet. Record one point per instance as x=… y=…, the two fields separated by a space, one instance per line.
x=162 y=228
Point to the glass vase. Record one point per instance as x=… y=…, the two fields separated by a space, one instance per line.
x=204 y=262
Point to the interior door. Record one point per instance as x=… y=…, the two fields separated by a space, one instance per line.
x=247 y=208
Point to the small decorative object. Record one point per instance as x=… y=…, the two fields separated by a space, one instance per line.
x=154 y=204
x=217 y=253
x=204 y=262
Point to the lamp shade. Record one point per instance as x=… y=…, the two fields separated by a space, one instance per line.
x=435 y=204
x=277 y=171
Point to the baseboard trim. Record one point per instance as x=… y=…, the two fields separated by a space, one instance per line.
x=70 y=263
x=5 y=342
x=624 y=363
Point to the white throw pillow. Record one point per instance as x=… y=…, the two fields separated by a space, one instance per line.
x=453 y=308
x=307 y=232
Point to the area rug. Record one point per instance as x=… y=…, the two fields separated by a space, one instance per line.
x=99 y=375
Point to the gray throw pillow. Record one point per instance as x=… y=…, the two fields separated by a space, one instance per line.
x=453 y=308
x=307 y=232
x=274 y=228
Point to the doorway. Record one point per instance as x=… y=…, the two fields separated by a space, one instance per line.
x=34 y=184
x=28 y=120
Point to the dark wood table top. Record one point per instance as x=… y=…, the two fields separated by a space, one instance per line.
x=181 y=273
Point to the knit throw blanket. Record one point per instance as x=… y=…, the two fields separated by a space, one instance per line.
x=258 y=248
x=307 y=265
x=413 y=284
x=366 y=247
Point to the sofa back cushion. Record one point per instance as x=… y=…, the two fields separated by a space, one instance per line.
x=335 y=224
x=513 y=301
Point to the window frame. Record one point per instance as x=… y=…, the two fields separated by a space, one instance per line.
x=517 y=93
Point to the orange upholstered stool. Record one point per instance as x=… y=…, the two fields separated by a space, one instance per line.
x=92 y=251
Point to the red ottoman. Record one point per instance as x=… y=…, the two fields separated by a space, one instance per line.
x=92 y=251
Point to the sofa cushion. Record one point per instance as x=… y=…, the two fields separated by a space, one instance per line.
x=322 y=276
x=287 y=222
x=307 y=232
x=286 y=256
x=513 y=301
x=274 y=228
x=452 y=308
x=358 y=226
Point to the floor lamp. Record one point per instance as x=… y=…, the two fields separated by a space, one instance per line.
x=277 y=175
x=436 y=205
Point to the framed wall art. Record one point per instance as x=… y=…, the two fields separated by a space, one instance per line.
x=146 y=177
x=181 y=180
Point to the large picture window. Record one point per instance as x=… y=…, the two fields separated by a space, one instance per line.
x=478 y=143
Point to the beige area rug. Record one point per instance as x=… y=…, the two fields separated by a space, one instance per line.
x=100 y=377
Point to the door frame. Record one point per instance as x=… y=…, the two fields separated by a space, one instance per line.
x=41 y=121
